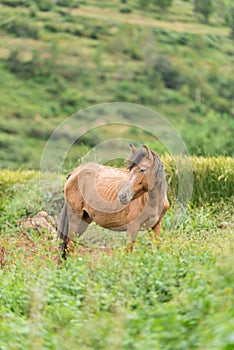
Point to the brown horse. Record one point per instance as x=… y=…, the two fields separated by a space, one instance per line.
x=117 y=199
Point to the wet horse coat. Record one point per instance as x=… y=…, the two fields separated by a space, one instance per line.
x=117 y=199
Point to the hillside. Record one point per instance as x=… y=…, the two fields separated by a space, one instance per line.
x=57 y=57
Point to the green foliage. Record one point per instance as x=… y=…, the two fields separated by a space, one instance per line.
x=171 y=77
x=163 y=4
x=177 y=297
x=21 y=28
x=67 y=3
x=40 y=66
x=125 y=9
x=143 y=4
x=16 y=3
x=54 y=62
x=231 y=21
x=45 y=5
x=205 y=7
x=8 y=180
x=205 y=140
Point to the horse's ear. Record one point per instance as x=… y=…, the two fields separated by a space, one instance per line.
x=133 y=148
x=147 y=152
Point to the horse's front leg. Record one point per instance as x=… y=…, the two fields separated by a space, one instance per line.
x=157 y=228
x=132 y=231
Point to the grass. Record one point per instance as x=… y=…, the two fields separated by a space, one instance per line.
x=173 y=294
x=180 y=24
x=177 y=297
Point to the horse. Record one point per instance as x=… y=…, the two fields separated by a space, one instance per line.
x=120 y=199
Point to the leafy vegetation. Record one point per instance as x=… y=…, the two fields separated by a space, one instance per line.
x=61 y=56
x=177 y=297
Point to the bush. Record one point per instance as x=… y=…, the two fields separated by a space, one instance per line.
x=67 y=3
x=16 y=3
x=211 y=134
x=45 y=5
x=71 y=101
x=37 y=67
x=22 y=28
x=163 y=4
x=205 y=7
x=125 y=9
x=170 y=75
x=231 y=22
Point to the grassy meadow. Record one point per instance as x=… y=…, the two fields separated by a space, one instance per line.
x=176 y=293
x=61 y=56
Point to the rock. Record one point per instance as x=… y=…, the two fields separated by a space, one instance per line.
x=223 y=224
x=41 y=220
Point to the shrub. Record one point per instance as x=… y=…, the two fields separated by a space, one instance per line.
x=45 y=5
x=205 y=7
x=125 y=9
x=22 y=28
x=170 y=75
x=71 y=101
x=67 y=3
x=231 y=21
x=37 y=67
x=16 y=3
x=143 y=4
x=33 y=11
x=163 y=4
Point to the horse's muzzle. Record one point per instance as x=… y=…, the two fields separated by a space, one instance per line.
x=125 y=197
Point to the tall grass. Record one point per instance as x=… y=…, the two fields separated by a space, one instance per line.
x=213 y=178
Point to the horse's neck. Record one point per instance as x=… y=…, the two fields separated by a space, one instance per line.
x=157 y=193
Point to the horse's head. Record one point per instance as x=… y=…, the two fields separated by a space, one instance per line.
x=140 y=166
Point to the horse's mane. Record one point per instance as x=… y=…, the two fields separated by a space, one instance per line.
x=136 y=157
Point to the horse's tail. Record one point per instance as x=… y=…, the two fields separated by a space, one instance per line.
x=63 y=232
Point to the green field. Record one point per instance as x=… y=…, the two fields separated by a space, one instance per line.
x=177 y=293
x=58 y=57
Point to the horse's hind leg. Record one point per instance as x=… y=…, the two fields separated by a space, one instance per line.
x=76 y=227
x=69 y=227
x=63 y=231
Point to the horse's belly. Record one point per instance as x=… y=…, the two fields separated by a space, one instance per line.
x=119 y=229
x=113 y=225
x=111 y=221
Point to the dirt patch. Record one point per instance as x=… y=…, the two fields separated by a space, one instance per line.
x=113 y=16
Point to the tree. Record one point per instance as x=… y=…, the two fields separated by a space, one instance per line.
x=205 y=7
x=196 y=5
x=163 y=4
x=143 y=4
x=231 y=21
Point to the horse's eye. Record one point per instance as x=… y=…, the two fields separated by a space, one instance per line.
x=142 y=170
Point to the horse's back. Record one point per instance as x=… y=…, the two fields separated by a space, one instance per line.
x=90 y=182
